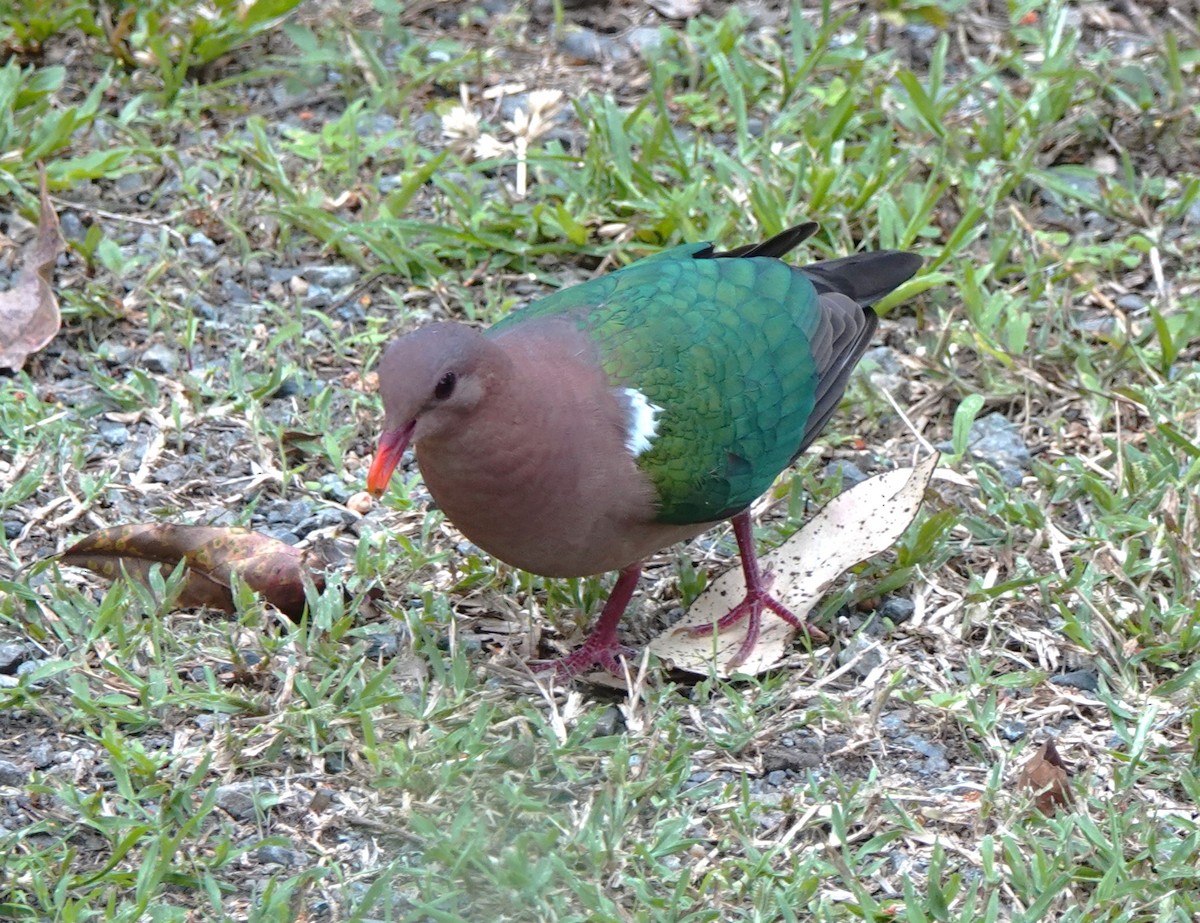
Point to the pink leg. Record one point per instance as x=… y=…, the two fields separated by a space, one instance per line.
x=757 y=598
x=602 y=648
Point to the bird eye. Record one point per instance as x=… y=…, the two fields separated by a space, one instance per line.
x=445 y=387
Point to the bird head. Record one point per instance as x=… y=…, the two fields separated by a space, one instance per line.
x=430 y=380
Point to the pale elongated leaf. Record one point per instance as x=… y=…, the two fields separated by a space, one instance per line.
x=862 y=522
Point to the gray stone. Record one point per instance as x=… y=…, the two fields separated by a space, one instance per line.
x=1131 y=302
x=609 y=723
x=280 y=855
x=864 y=664
x=203 y=249
x=317 y=296
x=776 y=777
x=12 y=655
x=168 y=474
x=283 y=511
x=112 y=432
x=336 y=488
x=159 y=359
x=327 y=518
x=591 y=47
x=70 y=225
x=849 y=472
x=114 y=353
x=11 y=774
x=41 y=755
x=896 y=609
x=1087 y=680
x=995 y=440
x=331 y=277
x=246 y=800
x=12 y=528
x=1012 y=730
x=645 y=40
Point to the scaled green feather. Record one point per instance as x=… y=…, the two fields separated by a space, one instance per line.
x=722 y=346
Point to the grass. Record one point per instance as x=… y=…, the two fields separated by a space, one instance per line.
x=403 y=766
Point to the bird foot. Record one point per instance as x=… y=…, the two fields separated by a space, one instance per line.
x=584 y=659
x=751 y=608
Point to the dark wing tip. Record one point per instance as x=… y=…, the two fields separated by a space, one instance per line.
x=777 y=246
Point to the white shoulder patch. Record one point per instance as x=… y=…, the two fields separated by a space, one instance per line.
x=643 y=422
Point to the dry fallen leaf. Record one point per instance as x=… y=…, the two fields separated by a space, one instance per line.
x=1046 y=776
x=29 y=311
x=863 y=521
x=213 y=554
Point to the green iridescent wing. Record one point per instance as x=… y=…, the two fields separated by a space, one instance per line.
x=722 y=347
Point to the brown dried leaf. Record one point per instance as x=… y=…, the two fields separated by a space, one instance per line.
x=29 y=311
x=212 y=554
x=1046 y=776
x=863 y=521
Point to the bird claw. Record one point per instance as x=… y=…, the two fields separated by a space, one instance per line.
x=751 y=608
x=586 y=658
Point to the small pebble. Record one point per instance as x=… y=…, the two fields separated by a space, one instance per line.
x=331 y=277
x=1087 y=680
x=896 y=609
x=11 y=774
x=280 y=855
x=113 y=433
x=159 y=359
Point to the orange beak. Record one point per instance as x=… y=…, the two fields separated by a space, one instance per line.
x=387 y=457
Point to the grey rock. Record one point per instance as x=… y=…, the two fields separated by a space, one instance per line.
x=29 y=666
x=384 y=646
x=327 y=518
x=896 y=609
x=850 y=473
x=336 y=488
x=776 y=777
x=885 y=359
x=885 y=372
x=12 y=528
x=41 y=755
x=203 y=249
x=114 y=353
x=331 y=277
x=317 y=296
x=70 y=225
x=280 y=855
x=246 y=800
x=1012 y=730
x=130 y=185
x=1087 y=680
x=113 y=433
x=283 y=511
x=646 y=40
x=168 y=474
x=282 y=275
x=867 y=662
x=591 y=47
x=893 y=725
x=995 y=440
x=11 y=774
x=922 y=34
x=1131 y=302
x=235 y=292
x=14 y=654
x=609 y=723
x=159 y=359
